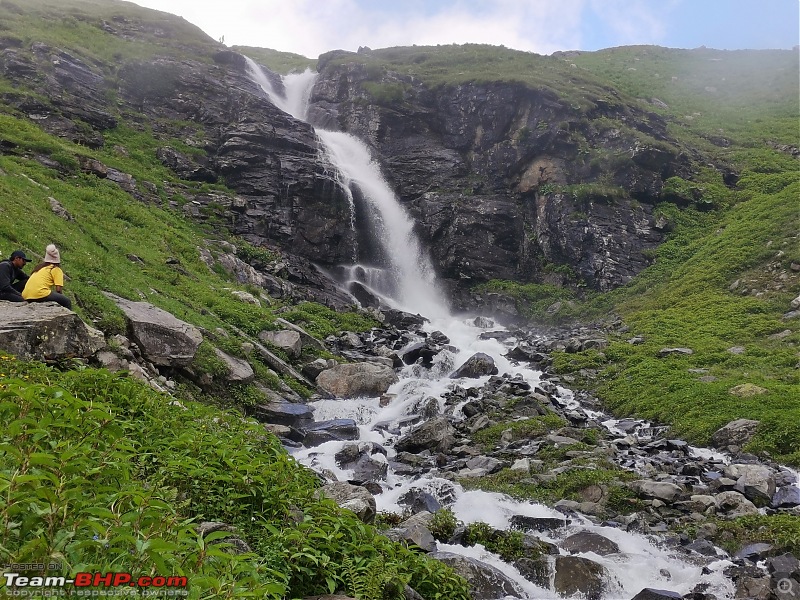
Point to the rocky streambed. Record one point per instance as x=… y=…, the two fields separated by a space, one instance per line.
x=458 y=437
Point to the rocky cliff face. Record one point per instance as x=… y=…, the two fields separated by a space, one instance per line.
x=510 y=182
x=504 y=181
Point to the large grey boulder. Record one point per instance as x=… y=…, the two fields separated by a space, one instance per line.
x=578 y=575
x=352 y=497
x=486 y=582
x=436 y=435
x=163 y=338
x=661 y=490
x=357 y=379
x=287 y=340
x=477 y=365
x=756 y=482
x=589 y=541
x=46 y=331
x=735 y=433
x=238 y=370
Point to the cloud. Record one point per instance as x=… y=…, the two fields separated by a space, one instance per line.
x=311 y=27
x=634 y=21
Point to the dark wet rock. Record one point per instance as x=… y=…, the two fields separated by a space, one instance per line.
x=486 y=582
x=320 y=432
x=525 y=523
x=535 y=570
x=754 y=552
x=577 y=575
x=290 y=414
x=417 y=501
x=703 y=547
x=403 y=320
x=422 y=351
x=477 y=365
x=589 y=541
x=436 y=435
x=367 y=460
x=656 y=594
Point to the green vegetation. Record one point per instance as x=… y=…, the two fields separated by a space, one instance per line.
x=522 y=429
x=688 y=298
x=746 y=96
x=532 y=299
x=99 y=472
x=457 y=64
x=279 y=62
x=781 y=531
x=565 y=485
x=82 y=26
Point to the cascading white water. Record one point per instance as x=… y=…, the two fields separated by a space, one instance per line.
x=411 y=281
x=641 y=562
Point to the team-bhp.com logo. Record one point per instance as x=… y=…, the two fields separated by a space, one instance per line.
x=93 y=584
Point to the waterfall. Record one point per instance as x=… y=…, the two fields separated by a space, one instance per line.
x=400 y=272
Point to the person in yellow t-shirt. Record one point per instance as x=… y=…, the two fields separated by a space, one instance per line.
x=46 y=275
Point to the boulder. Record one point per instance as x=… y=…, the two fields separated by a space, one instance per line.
x=588 y=541
x=162 y=338
x=655 y=594
x=786 y=497
x=577 y=575
x=367 y=461
x=661 y=490
x=357 y=379
x=733 y=504
x=486 y=582
x=756 y=482
x=46 y=331
x=526 y=523
x=287 y=340
x=352 y=497
x=239 y=371
x=735 y=433
x=338 y=430
x=290 y=414
x=477 y=365
x=436 y=435
x=747 y=390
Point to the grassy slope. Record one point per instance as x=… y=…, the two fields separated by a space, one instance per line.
x=685 y=298
x=156 y=469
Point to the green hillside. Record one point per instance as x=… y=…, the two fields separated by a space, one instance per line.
x=99 y=472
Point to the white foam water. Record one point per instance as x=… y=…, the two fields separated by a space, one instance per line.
x=642 y=562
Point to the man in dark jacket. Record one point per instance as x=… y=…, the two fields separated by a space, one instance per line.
x=12 y=279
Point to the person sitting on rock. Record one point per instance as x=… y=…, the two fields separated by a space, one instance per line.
x=12 y=277
x=45 y=275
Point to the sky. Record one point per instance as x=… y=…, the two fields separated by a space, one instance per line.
x=311 y=27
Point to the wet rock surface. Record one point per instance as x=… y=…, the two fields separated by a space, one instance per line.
x=659 y=484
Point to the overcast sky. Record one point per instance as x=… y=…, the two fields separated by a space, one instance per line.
x=311 y=27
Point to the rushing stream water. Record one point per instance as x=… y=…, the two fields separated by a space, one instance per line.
x=406 y=281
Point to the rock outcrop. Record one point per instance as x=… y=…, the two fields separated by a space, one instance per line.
x=162 y=338
x=46 y=331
